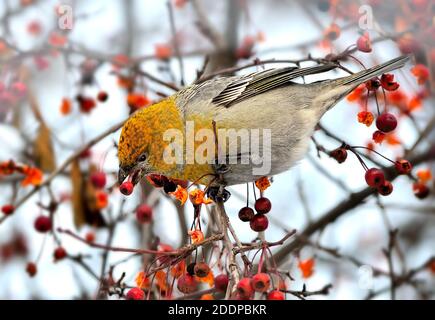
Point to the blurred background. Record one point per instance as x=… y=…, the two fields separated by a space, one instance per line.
x=59 y=61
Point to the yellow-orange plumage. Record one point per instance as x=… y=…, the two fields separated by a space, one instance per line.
x=144 y=132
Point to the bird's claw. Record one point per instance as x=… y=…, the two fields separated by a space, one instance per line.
x=218 y=193
x=221 y=169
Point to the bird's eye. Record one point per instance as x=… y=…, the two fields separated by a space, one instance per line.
x=142 y=157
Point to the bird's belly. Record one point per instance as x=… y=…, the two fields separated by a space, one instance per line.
x=282 y=158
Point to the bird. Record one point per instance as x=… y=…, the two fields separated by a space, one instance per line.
x=267 y=101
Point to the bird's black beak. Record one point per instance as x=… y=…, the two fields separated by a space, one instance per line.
x=122 y=174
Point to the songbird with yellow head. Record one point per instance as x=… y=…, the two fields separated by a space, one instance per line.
x=266 y=100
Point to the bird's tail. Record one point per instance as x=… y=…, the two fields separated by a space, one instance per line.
x=334 y=90
x=365 y=75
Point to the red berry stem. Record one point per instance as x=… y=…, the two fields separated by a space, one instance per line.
x=247 y=194
x=357 y=60
x=366 y=105
x=103 y=159
x=41 y=249
x=200 y=178
x=252 y=261
x=260 y=263
x=385 y=100
x=377 y=104
x=379 y=154
x=255 y=194
x=363 y=164
x=274 y=264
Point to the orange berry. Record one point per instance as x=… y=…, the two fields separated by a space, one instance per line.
x=66 y=106
x=332 y=32
x=421 y=72
x=306 y=267
x=162 y=51
x=366 y=118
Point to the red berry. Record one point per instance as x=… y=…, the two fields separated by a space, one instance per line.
x=157 y=180
x=333 y=32
x=386 y=122
x=245 y=50
x=432 y=266
x=244 y=288
x=144 y=213
x=386 y=188
x=373 y=84
x=59 y=253
x=363 y=43
x=388 y=83
x=169 y=186
x=275 y=295
x=246 y=214
x=421 y=190
x=43 y=224
x=378 y=136
x=403 y=166
x=221 y=282
x=135 y=294
x=261 y=282
x=86 y=104
x=162 y=248
x=126 y=188
x=259 y=222
x=98 y=179
x=31 y=269
x=263 y=205
x=102 y=96
x=187 y=283
x=374 y=177
x=90 y=237
x=339 y=154
x=8 y=209
x=201 y=269
x=85 y=154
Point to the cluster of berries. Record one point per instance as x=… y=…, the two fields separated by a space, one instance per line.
x=375 y=177
x=257 y=221
x=260 y=282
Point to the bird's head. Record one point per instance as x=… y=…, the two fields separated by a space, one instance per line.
x=142 y=144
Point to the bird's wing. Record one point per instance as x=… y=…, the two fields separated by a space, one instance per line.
x=241 y=88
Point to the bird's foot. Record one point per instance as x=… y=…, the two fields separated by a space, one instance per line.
x=218 y=193
x=221 y=169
